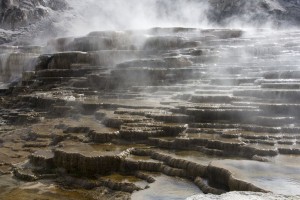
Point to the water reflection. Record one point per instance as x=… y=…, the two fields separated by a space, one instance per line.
x=165 y=188
x=282 y=176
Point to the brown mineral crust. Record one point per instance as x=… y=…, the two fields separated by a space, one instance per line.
x=86 y=165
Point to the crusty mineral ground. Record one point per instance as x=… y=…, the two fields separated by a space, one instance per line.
x=163 y=113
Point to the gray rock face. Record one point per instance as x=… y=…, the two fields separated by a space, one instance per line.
x=16 y=13
x=18 y=17
x=255 y=12
x=227 y=12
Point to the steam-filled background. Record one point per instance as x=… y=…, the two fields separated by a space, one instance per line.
x=41 y=19
x=35 y=22
x=86 y=16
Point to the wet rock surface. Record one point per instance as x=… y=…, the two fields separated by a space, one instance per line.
x=192 y=105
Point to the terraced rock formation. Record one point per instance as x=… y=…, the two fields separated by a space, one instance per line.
x=215 y=110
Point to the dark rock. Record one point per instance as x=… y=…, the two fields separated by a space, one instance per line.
x=102 y=137
x=146 y=177
x=43 y=159
x=206 y=188
x=25 y=175
x=168 y=43
x=85 y=165
x=289 y=151
x=66 y=59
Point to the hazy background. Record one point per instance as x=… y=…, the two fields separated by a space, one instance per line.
x=83 y=17
x=40 y=20
x=90 y=15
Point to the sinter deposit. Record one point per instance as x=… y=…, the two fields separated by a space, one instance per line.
x=150 y=113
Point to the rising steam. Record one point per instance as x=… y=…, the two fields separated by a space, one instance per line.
x=91 y=15
x=86 y=16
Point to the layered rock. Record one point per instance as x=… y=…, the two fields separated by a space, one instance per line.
x=180 y=100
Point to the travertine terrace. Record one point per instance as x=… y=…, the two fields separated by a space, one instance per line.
x=112 y=114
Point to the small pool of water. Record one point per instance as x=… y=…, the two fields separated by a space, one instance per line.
x=193 y=156
x=126 y=179
x=280 y=176
x=166 y=188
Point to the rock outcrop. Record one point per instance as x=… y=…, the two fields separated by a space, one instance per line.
x=15 y=14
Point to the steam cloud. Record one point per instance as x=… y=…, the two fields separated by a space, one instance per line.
x=91 y=15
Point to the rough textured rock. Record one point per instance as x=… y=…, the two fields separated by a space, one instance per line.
x=254 y=12
x=15 y=14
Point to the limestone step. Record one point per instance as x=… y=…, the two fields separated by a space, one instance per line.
x=53 y=80
x=274 y=121
x=282 y=75
x=168 y=43
x=281 y=109
x=64 y=72
x=113 y=57
x=277 y=81
x=65 y=60
x=211 y=98
x=4 y=88
x=281 y=85
x=168 y=62
x=271 y=94
x=95 y=41
x=232 y=115
x=232 y=81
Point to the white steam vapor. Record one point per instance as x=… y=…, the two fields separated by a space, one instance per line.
x=86 y=16
x=90 y=15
